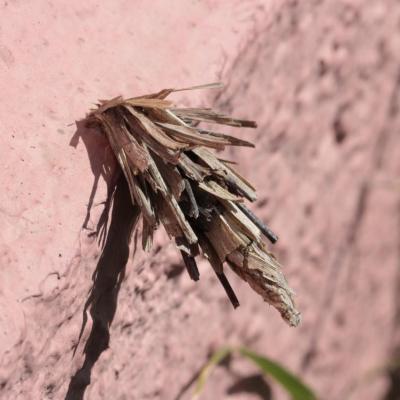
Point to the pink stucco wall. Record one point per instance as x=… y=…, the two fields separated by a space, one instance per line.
x=322 y=80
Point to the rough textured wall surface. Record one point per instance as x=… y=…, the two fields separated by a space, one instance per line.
x=322 y=78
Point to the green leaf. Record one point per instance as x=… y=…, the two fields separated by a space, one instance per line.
x=216 y=358
x=293 y=385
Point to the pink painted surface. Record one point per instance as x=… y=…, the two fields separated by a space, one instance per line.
x=322 y=80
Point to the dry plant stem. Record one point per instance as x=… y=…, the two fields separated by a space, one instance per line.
x=177 y=180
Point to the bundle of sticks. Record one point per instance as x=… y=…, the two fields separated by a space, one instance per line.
x=177 y=180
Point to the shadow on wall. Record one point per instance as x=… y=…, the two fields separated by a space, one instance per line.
x=254 y=385
x=110 y=270
x=102 y=163
x=393 y=391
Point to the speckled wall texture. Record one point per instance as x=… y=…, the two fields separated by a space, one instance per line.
x=322 y=78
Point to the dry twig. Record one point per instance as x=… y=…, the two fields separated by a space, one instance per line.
x=178 y=181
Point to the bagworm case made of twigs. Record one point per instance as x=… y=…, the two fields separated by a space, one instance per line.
x=178 y=181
